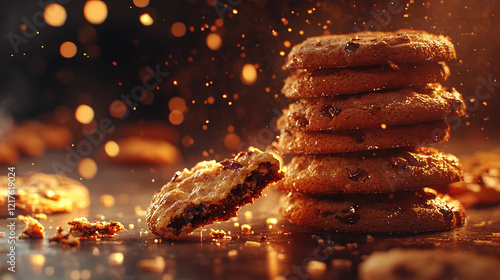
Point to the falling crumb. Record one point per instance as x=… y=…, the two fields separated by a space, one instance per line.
x=316 y=267
x=217 y=233
x=33 y=230
x=271 y=221
x=342 y=263
x=252 y=244
x=156 y=265
x=115 y=259
x=232 y=253
x=246 y=228
x=107 y=200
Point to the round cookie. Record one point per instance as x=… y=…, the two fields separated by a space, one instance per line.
x=370 y=48
x=43 y=193
x=404 y=106
x=382 y=171
x=330 y=82
x=209 y=192
x=400 y=212
x=331 y=142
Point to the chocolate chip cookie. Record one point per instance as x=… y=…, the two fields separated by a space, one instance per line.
x=381 y=171
x=331 y=142
x=334 y=81
x=43 y=193
x=390 y=108
x=400 y=212
x=370 y=48
x=209 y=192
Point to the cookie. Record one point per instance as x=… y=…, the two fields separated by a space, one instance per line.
x=8 y=153
x=481 y=184
x=334 y=81
x=370 y=48
x=138 y=150
x=399 y=212
x=381 y=171
x=209 y=192
x=56 y=137
x=331 y=142
x=42 y=193
x=404 y=106
x=406 y=264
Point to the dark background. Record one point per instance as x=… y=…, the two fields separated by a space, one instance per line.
x=36 y=80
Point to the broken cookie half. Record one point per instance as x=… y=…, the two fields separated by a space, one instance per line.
x=209 y=192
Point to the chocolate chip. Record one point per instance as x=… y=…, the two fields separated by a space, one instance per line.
x=349 y=216
x=359 y=176
x=404 y=160
x=230 y=164
x=330 y=111
x=351 y=47
x=358 y=136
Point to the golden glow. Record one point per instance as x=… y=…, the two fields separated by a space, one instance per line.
x=117 y=109
x=146 y=19
x=214 y=41
x=176 y=117
x=87 y=168
x=178 y=29
x=68 y=49
x=112 y=148
x=95 y=11
x=55 y=15
x=84 y=114
x=177 y=103
x=141 y=3
x=249 y=74
x=232 y=142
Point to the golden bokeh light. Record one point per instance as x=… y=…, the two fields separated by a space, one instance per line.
x=55 y=15
x=112 y=148
x=187 y=141
x=87 y=168
x=232 y=142
x=146 y=19
x=141 y=3
x=117 y=109
x=249 y=74
x=176 y=117
x=68 y=49
x=84 y=114
x=95 y=11
x=177 y=103
x=214 y=41
x=178 y=29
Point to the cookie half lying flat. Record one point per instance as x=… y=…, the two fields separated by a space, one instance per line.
x=370 y=48
x=331 y=142
x=43 y=193
x=334 y=81
x=381 y=171
x=404 y=106
x=400 y=212
x=209 y=192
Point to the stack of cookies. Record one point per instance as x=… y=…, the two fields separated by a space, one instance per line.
x=366 y=105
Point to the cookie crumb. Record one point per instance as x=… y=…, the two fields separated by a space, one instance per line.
x=33 y=229
x=246 y=228
x=82 y=228
x=217 y=233
x=66 y=240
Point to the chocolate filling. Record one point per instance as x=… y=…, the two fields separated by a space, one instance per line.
x=230 y=164
x=351 y=47
x=203 y=214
